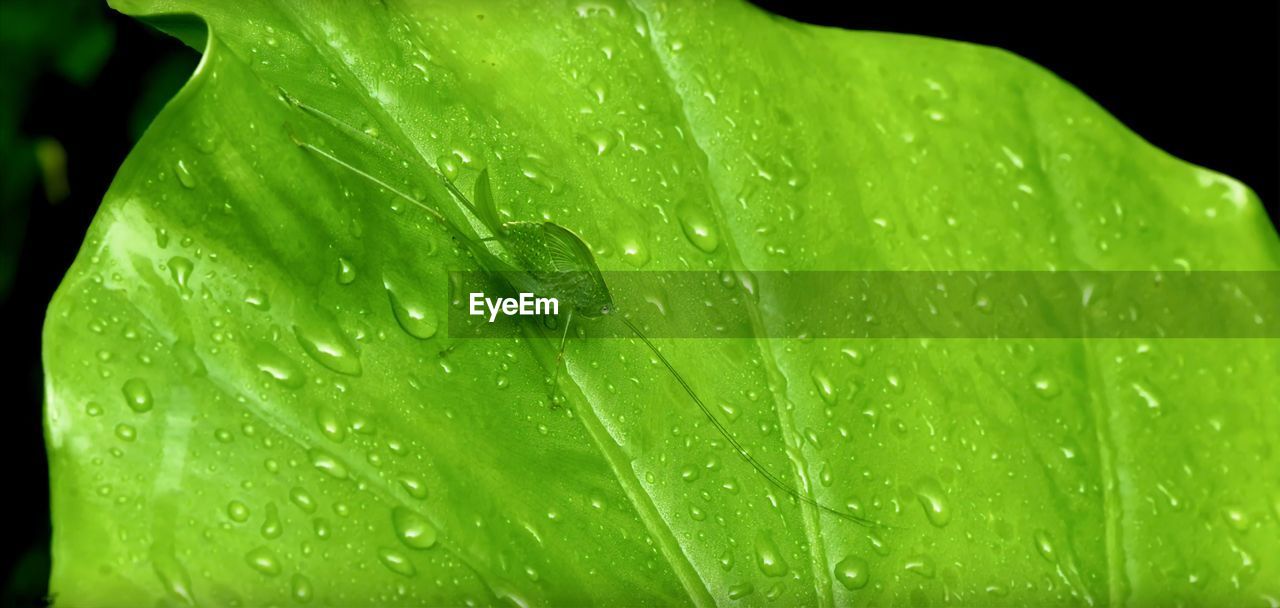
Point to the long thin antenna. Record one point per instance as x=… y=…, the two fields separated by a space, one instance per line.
x=737 y=446
x=361 y=135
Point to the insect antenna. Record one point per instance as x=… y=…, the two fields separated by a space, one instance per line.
x=358 y=134
x=435 y=213
x=737 y=446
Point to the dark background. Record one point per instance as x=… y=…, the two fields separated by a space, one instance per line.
x=1200 y=84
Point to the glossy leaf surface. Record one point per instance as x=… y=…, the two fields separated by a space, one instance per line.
x=251 y=396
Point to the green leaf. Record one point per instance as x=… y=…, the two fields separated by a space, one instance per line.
x=251 y=396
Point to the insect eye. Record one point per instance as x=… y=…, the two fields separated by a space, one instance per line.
x=604 y=310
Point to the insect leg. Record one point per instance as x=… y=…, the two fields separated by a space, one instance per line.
x=736 y=445
x=555 y=375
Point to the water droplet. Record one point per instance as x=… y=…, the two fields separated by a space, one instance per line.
x=238 y=511
x=768 y=557
x=601 y=141
x=303 y=500
x=921 y=565
x=263 y=560
x=740 y=590
x=257 y=298
x=533 y=168
x=301 y=589
x=1236 y=518
x=173 y=575
x=330 y=349
x=413 y=529
x=330 y=424
x=634 y=251
x=414 y=487
x=396 y=561
x=277 y=366
x=327 y=463
x=1044 y=544
x=346 y=271
x=413 y=314
x=126 y=432
x=271 y=526
x=185 y=177
x=138 y=395
x=852 y=572
x=180 y=270
x=934 y=501
x=698 y=227
x=822 y=383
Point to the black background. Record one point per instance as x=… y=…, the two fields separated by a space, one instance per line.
x=1200 y=84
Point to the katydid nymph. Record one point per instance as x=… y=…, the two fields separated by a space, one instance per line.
x=547 y=260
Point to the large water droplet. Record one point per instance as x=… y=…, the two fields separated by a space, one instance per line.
x=180 y=270
x=396 y=561
x=412 y=312
x=327 y=463
x=934 y=501
x=271 y=526
x=633 y=249
x=185 y=177
x=301 y=589
x=238 y=511
x=1044 y=544
x=303 y=500
x=768 y=557
x=413 y=529
x=698 y=227
x=346 y=271
x=330 y=349
x=138 y=395
x=277 y=366
x=822 y=382
x=330 y=424
x=414 y=487
x=263 y=560
x=852 y=572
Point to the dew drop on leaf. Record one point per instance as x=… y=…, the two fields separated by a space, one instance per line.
x=346 y=271
x=768 y=557
x=327 y=463
x=396 y=561
x=185 y=177
x=852 y=572
x=180 y=268
x=413 y=529
x=301 y=589
x=238 y=511
x=934 y=502
x=138 y=395
x=126 y=432
x=698 y=227
x=412 y=313
x=330 y=349
x=263 y=560
x=271 y=526
x=330 y=424
x=414 y=487
x=302 y=499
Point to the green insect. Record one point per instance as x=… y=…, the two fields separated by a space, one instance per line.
x=548 y=260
